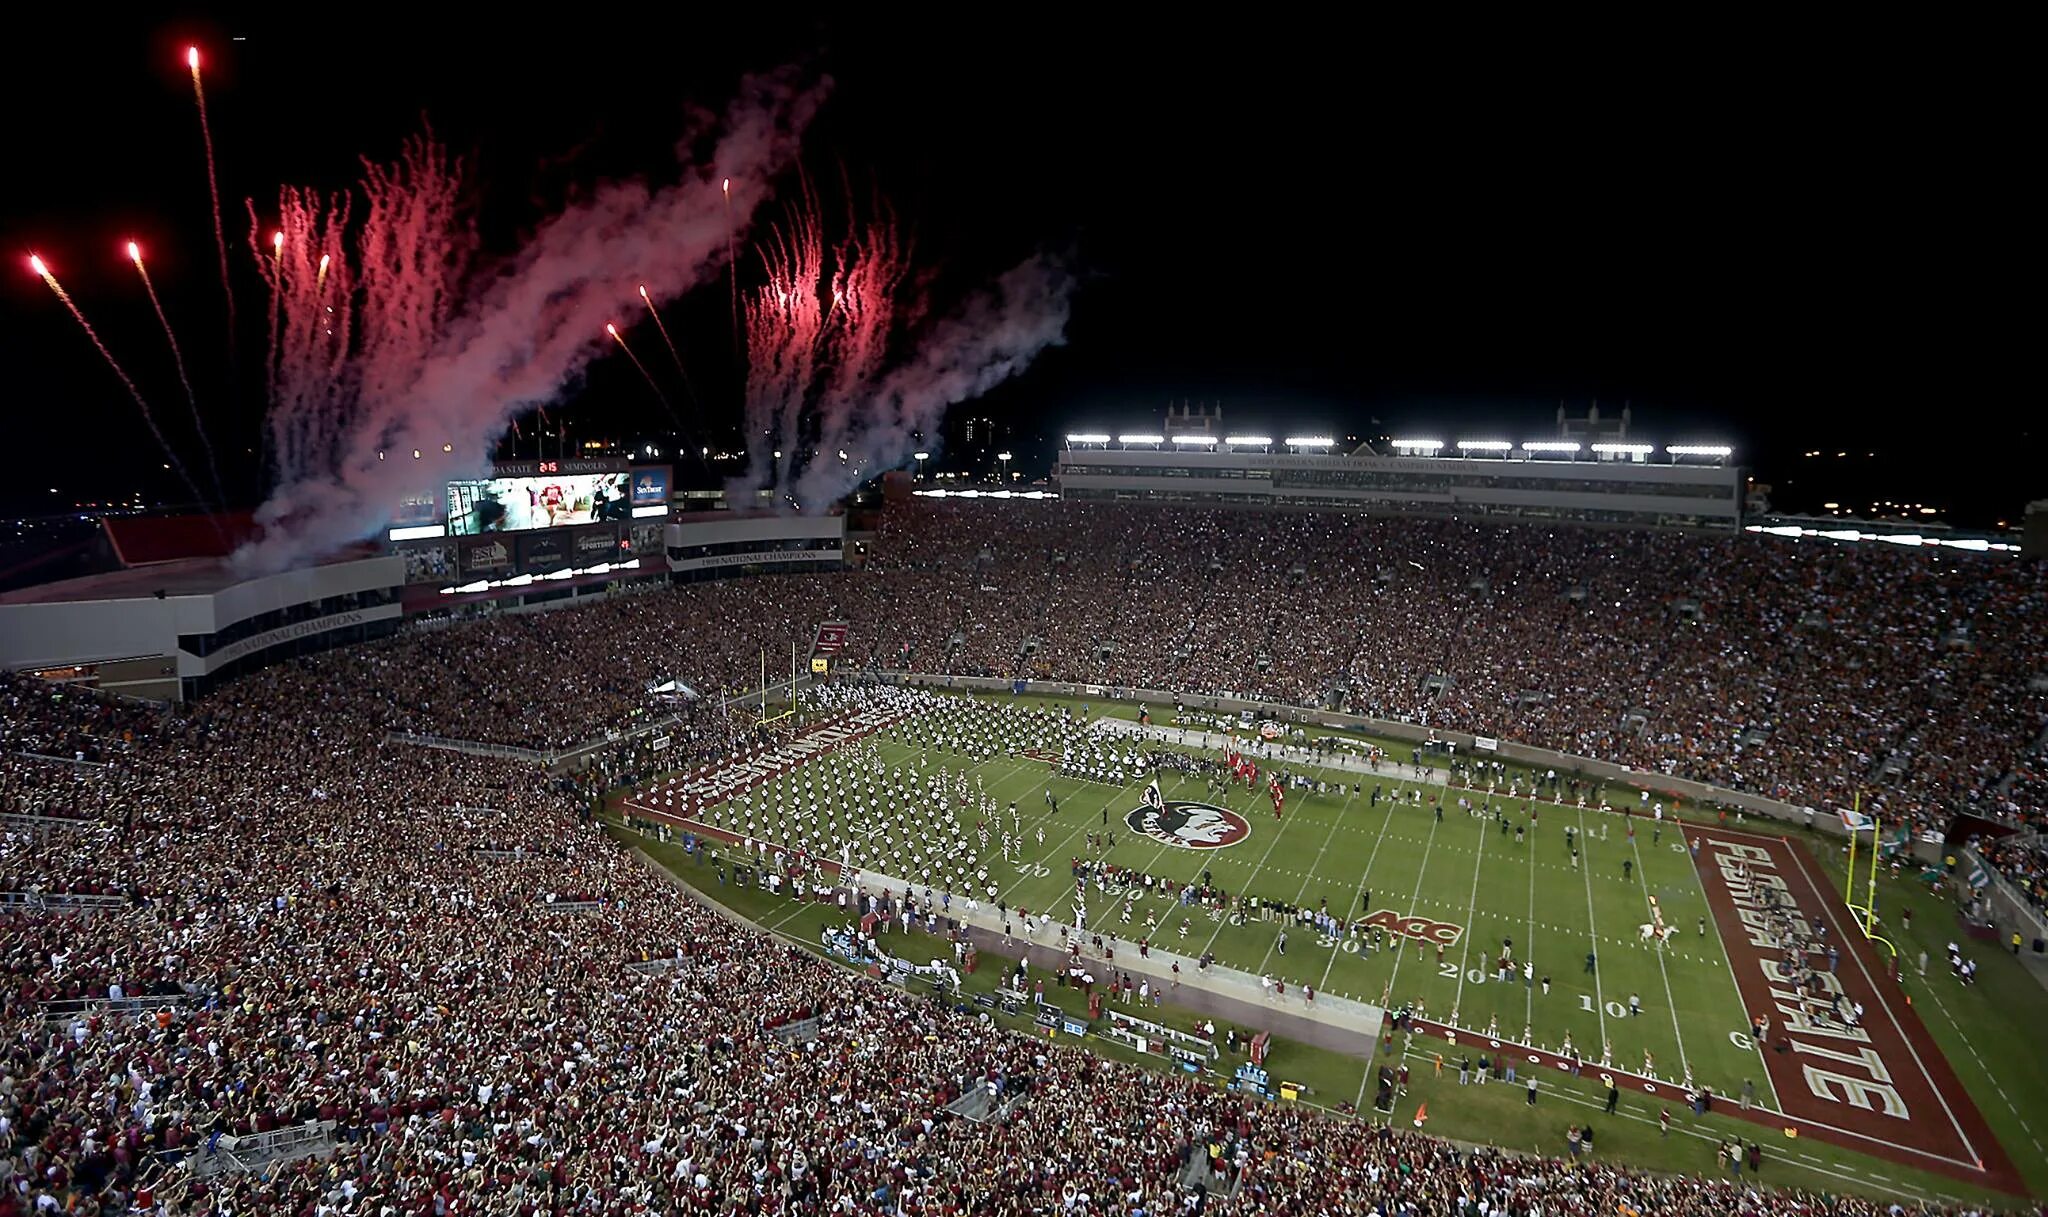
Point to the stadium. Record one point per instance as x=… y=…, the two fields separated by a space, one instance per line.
x=674 y=637
x=1353 y=834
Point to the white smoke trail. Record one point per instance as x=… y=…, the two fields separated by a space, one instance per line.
x=529 y=331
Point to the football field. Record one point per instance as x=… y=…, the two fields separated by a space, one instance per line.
x=1446 y=895
x=1465 y=907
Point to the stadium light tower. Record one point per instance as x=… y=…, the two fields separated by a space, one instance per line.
x=1004 y=457
x=922 y=457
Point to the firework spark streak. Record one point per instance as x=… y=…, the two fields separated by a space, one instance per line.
x=213 y=187
x=619 y=338
x=670 y=343
x=64 y=297
x=178 y=358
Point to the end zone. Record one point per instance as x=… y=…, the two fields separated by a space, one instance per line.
x=1880 y=1086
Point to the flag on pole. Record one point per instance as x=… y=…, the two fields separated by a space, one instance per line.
x=1853 y=820
x=1152 y=797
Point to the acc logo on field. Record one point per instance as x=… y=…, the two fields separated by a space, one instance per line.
x=1190 y=825
x=1392 y=922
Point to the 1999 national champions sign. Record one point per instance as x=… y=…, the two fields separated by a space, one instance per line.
x=1189 y=825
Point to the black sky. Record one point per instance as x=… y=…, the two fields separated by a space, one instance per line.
x=1790 y=239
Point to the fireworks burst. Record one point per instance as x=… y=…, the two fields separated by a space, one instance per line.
x=668 y=342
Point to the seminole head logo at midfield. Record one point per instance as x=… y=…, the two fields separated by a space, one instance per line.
x=1188 y=825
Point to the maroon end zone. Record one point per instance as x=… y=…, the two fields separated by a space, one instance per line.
x=1880 y=1088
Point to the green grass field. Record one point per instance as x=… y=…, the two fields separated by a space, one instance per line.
x=1463 y=870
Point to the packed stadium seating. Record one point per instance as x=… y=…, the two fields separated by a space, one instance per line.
x=1806 y=672
x=254 y=912
x=321 y=935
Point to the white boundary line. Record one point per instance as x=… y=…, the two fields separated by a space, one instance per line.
x=1728 y=958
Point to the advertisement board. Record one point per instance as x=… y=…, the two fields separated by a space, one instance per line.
x=647 y=536
x=542 y=552
x=650 y=486
x=429 y=563
x=514 y=504
x=421 y=507
x=595 y=545
x=487 y=556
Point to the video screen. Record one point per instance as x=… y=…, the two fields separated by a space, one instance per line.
x=550 y=501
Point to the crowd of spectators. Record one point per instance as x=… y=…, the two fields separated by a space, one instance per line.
x=1800 y=671
x=318 y=925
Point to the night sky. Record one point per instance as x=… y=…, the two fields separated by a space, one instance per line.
x=1774 y=238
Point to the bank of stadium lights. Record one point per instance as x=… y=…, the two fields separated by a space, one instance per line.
x=1195 y=441
x=1555 y=447
x=1135 y=440
x=1624 y=449
x=1248 y=441
x=1721 y=451
x=1485 y=445
x=1317 y=443
x=1418 y=447
x=1088 y=437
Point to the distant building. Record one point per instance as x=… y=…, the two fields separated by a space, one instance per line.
x=1518 y=483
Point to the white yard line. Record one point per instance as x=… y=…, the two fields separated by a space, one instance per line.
x=1593 y=931
x=1313 y=870
x=1414 y=897
x=1471 y=914
x=1529 y=1004
x=1362 y=877
x=1670 y=1002
x=1246 y=886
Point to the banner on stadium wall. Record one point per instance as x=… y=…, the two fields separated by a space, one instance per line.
x=650 y=486
x=1484 y=744
x=486 y=555
x=542 y=552
x=660 y=743
x=594 y=545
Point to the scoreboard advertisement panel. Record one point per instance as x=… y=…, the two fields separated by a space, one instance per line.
x=543 y=552
x=549 y=500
